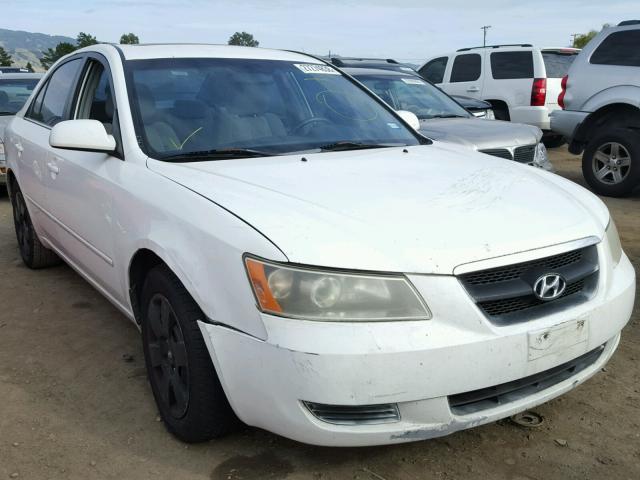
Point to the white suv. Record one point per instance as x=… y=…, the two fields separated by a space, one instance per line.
x=601 y=116
x=295 y=254
x=522 y=82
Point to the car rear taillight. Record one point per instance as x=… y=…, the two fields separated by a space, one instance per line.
x=539 y=92
x=563 y=85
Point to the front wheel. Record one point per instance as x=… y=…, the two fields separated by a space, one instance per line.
x=611 y=162
x=183 y=379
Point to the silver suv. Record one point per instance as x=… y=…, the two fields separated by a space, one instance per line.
x=601 y=116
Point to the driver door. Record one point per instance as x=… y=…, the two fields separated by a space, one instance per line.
x=81 y=186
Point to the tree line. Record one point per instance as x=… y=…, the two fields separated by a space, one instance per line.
x=83 y=39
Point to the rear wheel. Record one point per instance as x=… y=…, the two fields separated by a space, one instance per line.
x=183 y=379
x=611 y=162
x=33 y=253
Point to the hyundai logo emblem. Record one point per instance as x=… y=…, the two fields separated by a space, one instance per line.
x=549 y=286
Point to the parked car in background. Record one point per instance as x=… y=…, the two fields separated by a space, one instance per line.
x=14 y=70
x=601 y=116
x=479 y=108
x=15 y=89
x=296 y=254
x=441 y=118
x=522 y=82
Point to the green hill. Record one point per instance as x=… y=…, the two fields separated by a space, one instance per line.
x=28 y=46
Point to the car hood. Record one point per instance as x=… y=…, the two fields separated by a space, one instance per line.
x=480 y=134
x=426 y=210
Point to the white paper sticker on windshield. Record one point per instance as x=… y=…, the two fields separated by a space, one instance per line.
x=316 y=68
x=393 y=125
x=412 y=81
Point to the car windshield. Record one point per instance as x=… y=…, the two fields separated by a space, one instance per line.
x=194 y=109
x=413 y=94
x=14 y=93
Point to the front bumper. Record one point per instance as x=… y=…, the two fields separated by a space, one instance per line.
x=415 y=365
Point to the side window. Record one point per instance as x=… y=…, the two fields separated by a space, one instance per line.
x=511 y=65
x=96 y=100
x=49 y=105
x=619 y=48
x=466 y=68
x=434 y=70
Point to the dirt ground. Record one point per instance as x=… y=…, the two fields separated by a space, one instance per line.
x=75 y=402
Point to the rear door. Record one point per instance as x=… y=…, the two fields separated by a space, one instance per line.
x=510 y=78
x=30 y=139
x=556 y=64
x=465 y=75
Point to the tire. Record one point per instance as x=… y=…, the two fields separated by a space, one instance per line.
x=186 y=388
x=553 y=141
x=33 y=253
x=611 y=162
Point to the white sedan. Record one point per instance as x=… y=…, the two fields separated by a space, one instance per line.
x=298 y=257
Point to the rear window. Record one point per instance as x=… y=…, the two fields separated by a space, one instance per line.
x=557 y=63
x=511 y=65
x=619 y=48
x=466 y=68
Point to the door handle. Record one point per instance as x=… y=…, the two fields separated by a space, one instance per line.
x=53 y=168
x=473 y=89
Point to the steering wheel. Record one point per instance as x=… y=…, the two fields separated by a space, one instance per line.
x=310 y=121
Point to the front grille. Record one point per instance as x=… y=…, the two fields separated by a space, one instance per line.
x=491 y=397
x=354 y=415
x=505 y=294
x=510 y=272
x=511 y=305
x=524 y=154
x=498 y=152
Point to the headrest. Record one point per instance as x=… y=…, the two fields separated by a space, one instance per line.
x=239 y=96
x=189 y=109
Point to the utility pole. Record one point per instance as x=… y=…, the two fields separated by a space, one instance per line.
x=573 y=38
x=485 y=28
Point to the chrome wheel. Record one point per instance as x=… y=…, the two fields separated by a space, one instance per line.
x=611 y=163
x=168 y=356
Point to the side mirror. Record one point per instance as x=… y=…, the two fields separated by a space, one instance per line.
x=410 y=118
x=86 y=135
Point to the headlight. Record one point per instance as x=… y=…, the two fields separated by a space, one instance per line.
x=2 y=157
x=613 y=240
x=314 y=294
x=541 y=159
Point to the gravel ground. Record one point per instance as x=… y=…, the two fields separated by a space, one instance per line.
x=75 y=402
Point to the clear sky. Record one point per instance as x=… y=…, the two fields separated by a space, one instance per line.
x=411 y=30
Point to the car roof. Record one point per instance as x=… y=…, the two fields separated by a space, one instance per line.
x=376 y=71
x=18 y=76
x=199 y=50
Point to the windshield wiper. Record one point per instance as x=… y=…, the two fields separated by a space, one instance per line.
x=446 y=116
x=347 y=145
x=7 y=113
x=217 y=154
